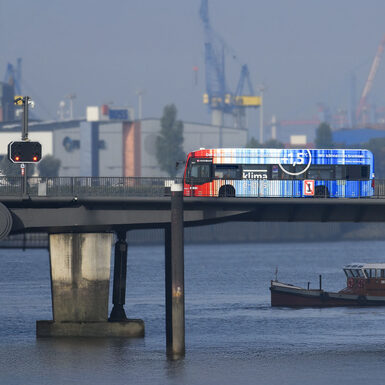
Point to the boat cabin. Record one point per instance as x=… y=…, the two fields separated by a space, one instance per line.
x=365 y=270
x=367 y=277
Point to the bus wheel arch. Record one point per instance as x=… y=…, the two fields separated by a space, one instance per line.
x=321 y=192
x=226 y=191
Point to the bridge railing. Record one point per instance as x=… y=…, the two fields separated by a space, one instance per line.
x=87 y=186
x=158 y=187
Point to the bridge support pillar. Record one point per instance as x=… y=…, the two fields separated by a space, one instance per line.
x=120 y=274
x=80 y=278
x=174 y=276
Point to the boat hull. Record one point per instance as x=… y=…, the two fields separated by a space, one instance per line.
x=284 y=295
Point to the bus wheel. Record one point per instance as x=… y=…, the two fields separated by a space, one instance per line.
x=226 y=191
x=321 y=192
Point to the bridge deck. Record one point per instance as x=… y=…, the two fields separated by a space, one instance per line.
x=55 y=214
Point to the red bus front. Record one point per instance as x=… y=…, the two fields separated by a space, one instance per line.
x=198 y=175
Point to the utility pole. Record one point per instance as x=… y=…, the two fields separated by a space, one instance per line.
x=274 y=128
x=24 y=137
x=71 y=98
x=24 y=101
x=24 y=151
x=261 y=89
x=140 y=94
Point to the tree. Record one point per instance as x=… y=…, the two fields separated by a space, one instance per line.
x=49 y=166
x=272 y=143
x=253 y=143
x=169 y=149
x=324 y=137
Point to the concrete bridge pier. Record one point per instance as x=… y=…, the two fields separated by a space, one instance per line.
x=80 y=279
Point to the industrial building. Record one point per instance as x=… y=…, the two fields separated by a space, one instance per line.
x=111 y=143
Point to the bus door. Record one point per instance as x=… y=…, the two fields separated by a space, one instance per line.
x=198 y=176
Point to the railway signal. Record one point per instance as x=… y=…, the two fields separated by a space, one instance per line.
x=24 y=152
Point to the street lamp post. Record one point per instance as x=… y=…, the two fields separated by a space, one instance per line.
x=140 y=94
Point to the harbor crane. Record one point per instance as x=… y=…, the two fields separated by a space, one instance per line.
x=218 y=96
x=369 y=83
x=13 y=76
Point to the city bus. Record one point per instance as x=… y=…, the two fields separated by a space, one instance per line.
x=259 y=172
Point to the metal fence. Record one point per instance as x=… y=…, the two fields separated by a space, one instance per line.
x=82 y=187
x=87 y=186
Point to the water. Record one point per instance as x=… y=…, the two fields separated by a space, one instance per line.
x=233 y=336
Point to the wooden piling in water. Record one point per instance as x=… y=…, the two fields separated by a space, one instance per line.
x=174 y=276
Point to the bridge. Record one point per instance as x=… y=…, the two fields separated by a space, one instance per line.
x=81 y=214
x=79 y=205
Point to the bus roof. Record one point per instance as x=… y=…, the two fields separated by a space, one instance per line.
x=276 y=150
x=281 y=152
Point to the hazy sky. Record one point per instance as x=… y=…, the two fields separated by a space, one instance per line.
x=304 y=51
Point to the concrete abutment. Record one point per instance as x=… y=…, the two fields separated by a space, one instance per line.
x=80 y=278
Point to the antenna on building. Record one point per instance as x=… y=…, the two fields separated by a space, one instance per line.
x=71 y=98
x=61 y=111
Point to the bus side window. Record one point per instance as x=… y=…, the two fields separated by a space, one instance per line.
x=321 y=172
x=289 y=168
x=274 y=171
x=223 y=171
x=299 y=170
x=200 y=171
x=353 y=172
x=340 y=172
x=364 y=172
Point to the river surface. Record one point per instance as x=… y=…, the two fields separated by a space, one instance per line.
x=233 y=336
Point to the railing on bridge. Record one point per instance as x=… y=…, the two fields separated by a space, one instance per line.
x=87 y=186
x=157 y=187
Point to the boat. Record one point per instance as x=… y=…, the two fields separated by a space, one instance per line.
x=365 y=286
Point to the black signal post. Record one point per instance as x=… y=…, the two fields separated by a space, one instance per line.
x=24 y=135
x=23 y=159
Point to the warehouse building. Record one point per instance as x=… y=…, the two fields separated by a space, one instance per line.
x=111 y=143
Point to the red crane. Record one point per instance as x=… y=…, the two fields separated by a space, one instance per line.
x=369 y=82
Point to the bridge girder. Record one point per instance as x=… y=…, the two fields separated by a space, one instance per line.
x=112 y=214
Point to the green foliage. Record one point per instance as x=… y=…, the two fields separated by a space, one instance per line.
x=49 y=166
x=169 y=144
x=8 y=168
x=324 y=137
x=272 y=143
x=253 y=143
